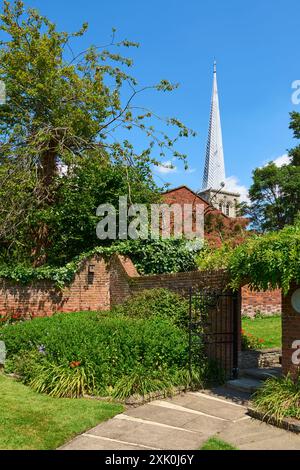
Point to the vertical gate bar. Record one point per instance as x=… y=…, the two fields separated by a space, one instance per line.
x=225 y=331
x=228 y=336
x=235 y=311
x=190 y=331
x=218 y=329
x=231 y=333
x=224 y=345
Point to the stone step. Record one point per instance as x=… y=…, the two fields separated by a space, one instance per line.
x=261 y=373
x=245 y=384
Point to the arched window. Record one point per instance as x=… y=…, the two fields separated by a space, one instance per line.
x=220 y=206
x=227 y=208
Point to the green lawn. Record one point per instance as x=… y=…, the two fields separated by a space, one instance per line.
x=32 y=421
x=217 y=444
x=267 y=328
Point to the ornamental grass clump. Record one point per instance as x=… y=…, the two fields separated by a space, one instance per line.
x=279 y=398
x=60 y=381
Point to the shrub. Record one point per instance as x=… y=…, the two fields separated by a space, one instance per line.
x=279 y=398
x=156 y=303
x=112 y=347
x=163 y=255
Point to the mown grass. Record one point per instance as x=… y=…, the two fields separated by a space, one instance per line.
x=217 y=444
x=266 y=328
x=32 y=421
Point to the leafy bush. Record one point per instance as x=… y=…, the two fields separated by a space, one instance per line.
x=214 y=258
x=262 y=261
x=111 y=348
x=249 y=341
x=156 y=303
x=163 y=255
x=279 y=398
x=268 y=261
x=139 y=347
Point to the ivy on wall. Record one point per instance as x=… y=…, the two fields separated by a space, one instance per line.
x=150 y=257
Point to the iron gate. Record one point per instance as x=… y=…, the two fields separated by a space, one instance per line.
x=214 y=329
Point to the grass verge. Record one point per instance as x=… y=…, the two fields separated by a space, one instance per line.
x=217 y=444
x=38 y=422
x=267 y=328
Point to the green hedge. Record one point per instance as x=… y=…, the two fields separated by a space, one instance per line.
x=156 y=303
x=112 y=347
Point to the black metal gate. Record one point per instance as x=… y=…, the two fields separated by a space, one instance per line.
x=214 y=329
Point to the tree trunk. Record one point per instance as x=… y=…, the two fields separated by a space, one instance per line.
x=45 y=194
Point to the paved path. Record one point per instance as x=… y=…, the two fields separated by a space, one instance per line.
x=184 y=422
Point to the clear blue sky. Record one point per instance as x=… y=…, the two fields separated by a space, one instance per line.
x=255 y=43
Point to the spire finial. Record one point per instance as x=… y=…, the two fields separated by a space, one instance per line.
x=215 y=66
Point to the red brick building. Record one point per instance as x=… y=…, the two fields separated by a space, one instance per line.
x=217 y=225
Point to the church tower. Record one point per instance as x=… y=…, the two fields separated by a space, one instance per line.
x=214 y=180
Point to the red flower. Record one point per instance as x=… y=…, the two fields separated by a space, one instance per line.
x=261 y=340
x=74 y=364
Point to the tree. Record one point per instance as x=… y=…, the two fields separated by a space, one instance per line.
x=72 y=220
x=61 y=107
x=275 y=191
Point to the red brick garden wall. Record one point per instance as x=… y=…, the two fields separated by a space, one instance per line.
x=89 y=291
x=110 y=283
x=181 y=281
x=267 y=302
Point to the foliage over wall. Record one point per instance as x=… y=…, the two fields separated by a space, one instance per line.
x=149 y=256
x=263 y=262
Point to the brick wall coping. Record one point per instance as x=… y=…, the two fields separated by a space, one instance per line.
x=183 y=274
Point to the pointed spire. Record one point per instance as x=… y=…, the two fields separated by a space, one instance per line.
x=214 y=170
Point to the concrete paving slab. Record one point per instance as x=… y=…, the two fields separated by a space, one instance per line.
x=285 y=442
x=85 y=442
x=245 y=384
x=178 y=418
x=149 y=434
x=250 y=432
x=211 y=407
x=184 y=423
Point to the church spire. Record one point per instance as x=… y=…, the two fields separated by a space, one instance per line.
x=214 y=170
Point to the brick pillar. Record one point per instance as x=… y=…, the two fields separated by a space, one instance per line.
x=291 y=331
